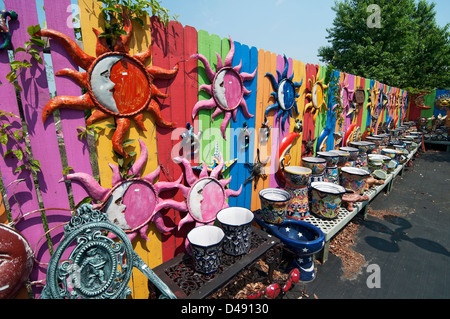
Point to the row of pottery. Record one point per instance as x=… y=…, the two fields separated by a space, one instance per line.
x=233 y=237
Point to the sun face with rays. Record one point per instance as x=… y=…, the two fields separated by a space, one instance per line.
x=117 y=83
x=205 y=195
x=316 y=96
x=132 y=203
x=285 y=94
x=227 y=89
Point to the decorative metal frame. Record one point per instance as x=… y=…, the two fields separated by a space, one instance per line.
x=97 y=267
x=97 y=81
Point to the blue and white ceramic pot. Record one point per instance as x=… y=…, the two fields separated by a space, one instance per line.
x=236 y=222
x=274 y=203
x=206 y=247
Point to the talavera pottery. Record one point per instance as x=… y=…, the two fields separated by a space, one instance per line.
x=371 y=146
x=361 y=146
x=354 y=179
x=352 y=150
x=274 y=202
x=297 y=176
x=326 y=199
x=206 y=246
x=316 y=164
x=343 y=157
x=303 y=240
x=331 y=157
x=236 y=222
x=380 y=158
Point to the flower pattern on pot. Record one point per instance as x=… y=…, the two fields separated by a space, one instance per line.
x=298 y=207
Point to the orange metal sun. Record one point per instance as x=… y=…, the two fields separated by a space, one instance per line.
x=117 y=83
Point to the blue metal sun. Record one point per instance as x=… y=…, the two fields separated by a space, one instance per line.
x=284 y=93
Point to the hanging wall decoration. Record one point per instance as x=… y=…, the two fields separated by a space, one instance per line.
x=442 y=102
x=118 y=84
x=205 y=195
x=132 y=203
x=4 y=29
x=285 y=94
x=257 y=170
x=316 y=96
x=227 y=88
x=190 y=142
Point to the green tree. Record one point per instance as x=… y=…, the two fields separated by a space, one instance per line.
x=406 y=49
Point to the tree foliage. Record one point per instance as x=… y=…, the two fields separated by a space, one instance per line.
x=407 y=49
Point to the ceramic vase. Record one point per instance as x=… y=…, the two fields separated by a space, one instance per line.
x=326 y=199
x=317 y=166
x=354 y=179
x=236 y=223
x=331 y=172
x=297 y=178
x=274 y=203
x=206 y=247
x=353 y=151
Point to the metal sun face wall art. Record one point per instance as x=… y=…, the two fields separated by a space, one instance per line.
x=285 y=94
x=316 y=96
x=133 y=203
x=118 y=84
x=227 y=89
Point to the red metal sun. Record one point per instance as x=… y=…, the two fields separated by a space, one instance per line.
x=117 y=83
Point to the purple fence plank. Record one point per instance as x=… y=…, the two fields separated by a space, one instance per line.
x=43 y=140
x=58 y=16
x=25 y=195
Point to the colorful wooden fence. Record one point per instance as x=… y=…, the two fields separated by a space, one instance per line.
x=51 y=200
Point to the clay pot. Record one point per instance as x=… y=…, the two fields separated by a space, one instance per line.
x=352 y=150
x=354 y=179
x=206 y=246
x=331 y=157
x=236 y=222
x=297 y=176
x=326 y=199
x=343 y=157
x=316 y=164
x=274 y=202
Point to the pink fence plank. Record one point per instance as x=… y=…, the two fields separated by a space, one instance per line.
x=58 y=16
x=43 y=139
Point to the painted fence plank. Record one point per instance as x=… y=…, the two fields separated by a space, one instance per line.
x=42 y=138
x=299 y=70
x=58 y=14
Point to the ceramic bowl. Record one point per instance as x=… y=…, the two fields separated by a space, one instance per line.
x=352 y=150
x=354 y=179
x=392 y=153
x=316 y=164
x=326 y=199
x=236 y=222
x=206 y=247
x=297 y=176
x=331 y=157
x=274 y=202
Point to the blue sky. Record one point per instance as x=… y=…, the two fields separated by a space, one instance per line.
x=296 y=28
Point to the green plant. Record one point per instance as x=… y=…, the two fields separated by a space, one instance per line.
x=136 y=10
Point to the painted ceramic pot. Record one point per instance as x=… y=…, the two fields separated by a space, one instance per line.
x=361 y=146
x=236 y=222
x=353 y=151
x=378 y=157
x=343 y=157
x=371 y=146
x=304 y=240
x=297 y=176
x=206 y=246
x=332 y=175
x=16 y=261
x=326 y=199
x=392 y=153
x=274 y=202
x=316 y=164
x=331 y=157
x=298 y=207
x=378 y=142
x=384 y=138
x=354 y=179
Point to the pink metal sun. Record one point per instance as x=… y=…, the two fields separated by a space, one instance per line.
x=132 y=203
x=227 y=89
x=205 y=195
